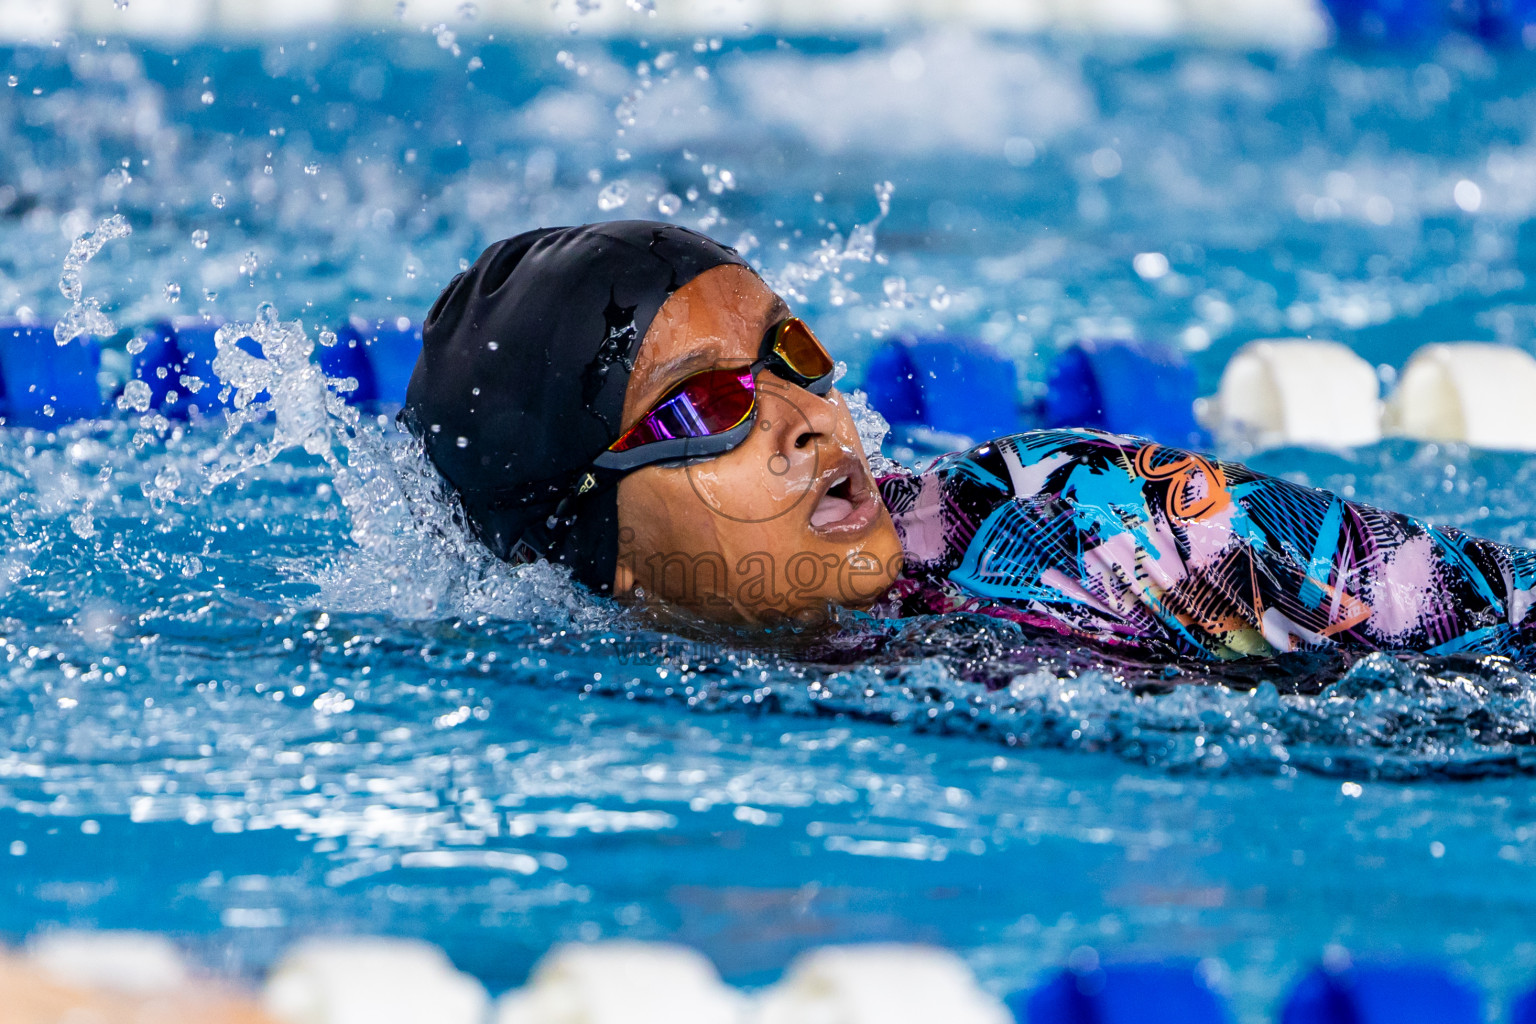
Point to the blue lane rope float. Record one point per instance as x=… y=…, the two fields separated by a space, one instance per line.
x=1504 y=21
x=938 y=393
x=1524 y=1009
x=955 y=386
x=1122 y=994
x=1390 y=21
x=1420 y=22
x=380 y=355
x=1127 y=387
x=45 y=384
x=1382 y=994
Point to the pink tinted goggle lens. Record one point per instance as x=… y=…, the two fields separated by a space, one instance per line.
x=706 y=403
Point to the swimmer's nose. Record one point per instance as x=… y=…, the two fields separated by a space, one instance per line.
x=814 y=417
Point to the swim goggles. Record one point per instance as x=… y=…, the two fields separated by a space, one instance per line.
x=705 y=414
x=710 y=412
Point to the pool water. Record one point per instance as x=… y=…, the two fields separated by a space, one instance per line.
x=259 y=685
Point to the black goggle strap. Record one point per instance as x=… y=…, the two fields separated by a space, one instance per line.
x=570 y=492
x=542 y=538
x=566 y=494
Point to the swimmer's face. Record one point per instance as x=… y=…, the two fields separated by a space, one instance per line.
x=784 y=524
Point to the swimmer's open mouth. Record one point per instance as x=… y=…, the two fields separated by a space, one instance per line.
x=846 y=502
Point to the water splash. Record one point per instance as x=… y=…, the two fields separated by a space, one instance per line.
x=828 y=259
x=873 y=430
x=415 y=557
x=272 y=371
x=1381 y=716
x=85 y=315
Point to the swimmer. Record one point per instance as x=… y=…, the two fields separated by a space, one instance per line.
x=630 y=400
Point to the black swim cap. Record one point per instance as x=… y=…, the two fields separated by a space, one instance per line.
x=524 y=362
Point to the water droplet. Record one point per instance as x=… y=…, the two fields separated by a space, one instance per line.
x=207 y=98
x=84 y=525
x=1019 y=151
x=218 y=200
x=200 y=239
x=1106 y=163
x=624 y=113
x=12 y=81
x=669 y=204
x=172 y=291
x=940 y=299
x=614 y=195
x=1468 y=196
x=311 y=169
x=1150 y=266
x=883 y=192
x=462 y=442
x=136 y=396
x=121 y=5
x=468 y=10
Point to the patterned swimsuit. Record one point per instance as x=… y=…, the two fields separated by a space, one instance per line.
x=1128 y=542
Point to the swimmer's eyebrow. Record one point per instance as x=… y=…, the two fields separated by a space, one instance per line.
x=674 y=370
x=779 y=310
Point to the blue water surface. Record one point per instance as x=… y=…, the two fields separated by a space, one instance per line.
x=257 y=686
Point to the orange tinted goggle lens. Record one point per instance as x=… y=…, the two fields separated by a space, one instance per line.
x=801 y=350
x=710 y=402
